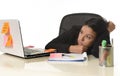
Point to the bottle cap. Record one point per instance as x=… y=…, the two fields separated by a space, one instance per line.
x=104 y=43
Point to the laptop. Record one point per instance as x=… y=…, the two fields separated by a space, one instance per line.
x=11 y=41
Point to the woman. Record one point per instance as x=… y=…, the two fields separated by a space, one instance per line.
x=82 y=38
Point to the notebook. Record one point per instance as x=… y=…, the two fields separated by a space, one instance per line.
x=11 y=41
x=68 y=57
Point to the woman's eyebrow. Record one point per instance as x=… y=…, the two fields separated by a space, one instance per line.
x=91 y=35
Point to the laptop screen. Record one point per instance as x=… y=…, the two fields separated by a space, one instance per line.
x=10 y=37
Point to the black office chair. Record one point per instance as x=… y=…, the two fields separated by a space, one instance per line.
x=75 y=19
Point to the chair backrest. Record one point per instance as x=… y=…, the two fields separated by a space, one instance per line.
x=75 y=19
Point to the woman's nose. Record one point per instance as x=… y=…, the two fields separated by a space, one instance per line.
x=82 y=38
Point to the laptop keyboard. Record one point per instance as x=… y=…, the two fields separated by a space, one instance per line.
x=32 y=51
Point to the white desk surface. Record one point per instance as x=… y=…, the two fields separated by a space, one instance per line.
x=15 y=66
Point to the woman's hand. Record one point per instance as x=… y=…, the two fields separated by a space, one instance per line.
x=111 y=26
x=77 y=49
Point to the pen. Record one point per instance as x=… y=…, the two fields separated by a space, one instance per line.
x=67 y=55
x=112 y=41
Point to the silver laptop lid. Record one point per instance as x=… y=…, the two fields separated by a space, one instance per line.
x=10 y=37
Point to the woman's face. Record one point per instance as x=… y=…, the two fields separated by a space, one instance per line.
x=86 y=36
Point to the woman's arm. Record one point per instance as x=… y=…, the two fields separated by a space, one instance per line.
x=63 y=42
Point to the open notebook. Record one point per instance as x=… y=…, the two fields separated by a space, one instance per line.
x=68 y=57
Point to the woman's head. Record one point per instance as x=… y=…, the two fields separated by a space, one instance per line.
x=91 y=30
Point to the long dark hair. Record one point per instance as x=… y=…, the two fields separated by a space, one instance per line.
x=98 y=25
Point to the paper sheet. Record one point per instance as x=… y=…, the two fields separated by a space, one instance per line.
x=8 y=40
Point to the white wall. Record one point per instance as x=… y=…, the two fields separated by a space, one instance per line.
x=40 y=19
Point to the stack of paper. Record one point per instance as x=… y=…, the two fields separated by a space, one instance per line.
x=68 y=57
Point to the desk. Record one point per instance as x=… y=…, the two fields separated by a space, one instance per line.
x=15 y=66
